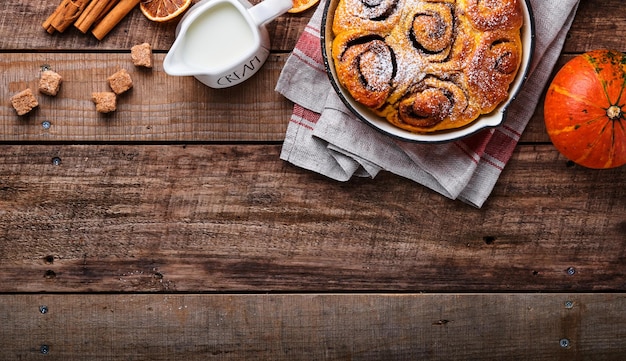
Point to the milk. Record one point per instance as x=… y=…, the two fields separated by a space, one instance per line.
x=222 y=43
x=217 y=38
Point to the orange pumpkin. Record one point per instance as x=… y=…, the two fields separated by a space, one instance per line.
x=585 y=109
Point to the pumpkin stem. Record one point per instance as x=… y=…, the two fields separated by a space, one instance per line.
x=614 y=112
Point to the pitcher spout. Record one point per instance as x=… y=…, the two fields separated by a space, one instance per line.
x=174 y=62
x=222 y=42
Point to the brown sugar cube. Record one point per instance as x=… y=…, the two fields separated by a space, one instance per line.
x=142 y=55
x=106 y=102
x=120 y=81
x=50 y=82
x=24 y=101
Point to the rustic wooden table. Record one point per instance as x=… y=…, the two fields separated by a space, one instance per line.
x=171 y=229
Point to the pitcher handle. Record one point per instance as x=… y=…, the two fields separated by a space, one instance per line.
x=268 y=10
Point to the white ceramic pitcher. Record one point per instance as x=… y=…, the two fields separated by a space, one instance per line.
x=223 y=42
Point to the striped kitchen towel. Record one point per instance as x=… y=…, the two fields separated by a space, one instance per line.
x=325 y=137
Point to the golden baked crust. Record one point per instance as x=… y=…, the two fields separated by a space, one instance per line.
x=428 y=65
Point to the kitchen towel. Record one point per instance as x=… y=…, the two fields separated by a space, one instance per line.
x=325 y=137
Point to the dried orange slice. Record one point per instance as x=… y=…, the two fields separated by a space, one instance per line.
x=163 y=10
x=301 y=5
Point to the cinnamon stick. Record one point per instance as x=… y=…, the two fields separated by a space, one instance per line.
x=47 y=24
x=113 y=17
x=64 y=15
x=106 y=10
x=95 y=11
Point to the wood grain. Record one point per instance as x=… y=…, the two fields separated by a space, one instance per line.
x=156 y=110
x=172 y=230
x=196 y=218
x=159 y=107
x=135 y=28
x=314 y=327
x=592 y=30
x=598 y=25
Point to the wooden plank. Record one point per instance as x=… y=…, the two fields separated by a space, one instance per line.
x=600 y=26
x=314 y=327
x=155 y=109
x=249 y=112
x=159 y=107
x=254 y=111
x=27 y=16
x=209 y=218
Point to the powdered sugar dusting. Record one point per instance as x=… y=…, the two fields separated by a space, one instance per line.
x=371 y=9
x=471 y=48
x=376 y=67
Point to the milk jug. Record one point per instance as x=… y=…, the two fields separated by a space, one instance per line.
x=223 y=42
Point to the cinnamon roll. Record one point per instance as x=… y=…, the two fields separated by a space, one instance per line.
x=428 y=65
x=494 y=14
x=492 y=68
x=430 y=30
x=434 y=104
x=365 y=66
x=372 y=15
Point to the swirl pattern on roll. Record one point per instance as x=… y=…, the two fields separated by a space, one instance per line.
x=371 y=15
x=492 y=68
x=433 y=102
x=449 y=61
x=494 y=14
x=367 y=63
x=430 y=30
